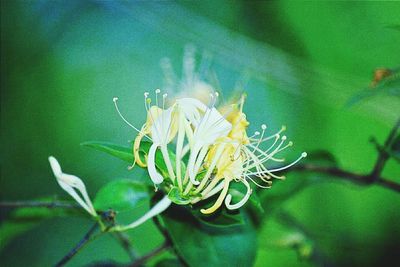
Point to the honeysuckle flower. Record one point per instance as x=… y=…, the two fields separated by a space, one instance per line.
x=218 y=146
x=71 y=184
x=211 y=145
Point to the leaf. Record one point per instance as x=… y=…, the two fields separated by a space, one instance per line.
x=24 y=219
x=121 y=152
x=126 y=154
x=388 y=87
x=175 y=196
x=321 y=157
x=206 y=245
x=121 y=195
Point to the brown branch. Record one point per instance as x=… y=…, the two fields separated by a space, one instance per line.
x=43 y=204
x=124 y=241
x=168 y=238
x=346 y=175
x=151 y=254
x=383 y=155
x=374 y=177
x=78 y=246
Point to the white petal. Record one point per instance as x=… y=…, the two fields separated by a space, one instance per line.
x=55 y=166
x=162 y=205
x=161 y=128
x=71 y=191
x=212 y=126
x=71 y=182
x=191 y=108
x=242 y=201
x=151 y=165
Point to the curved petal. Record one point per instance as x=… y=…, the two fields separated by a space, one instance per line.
x=191 y=108
x=136 y=149
x=212 y=126
x=55 y=166
x=219 y=201
x=151 y=165
x=242 y=201
x=163 y=128
x=192 y=162
x=161 y=206
x=70 y=183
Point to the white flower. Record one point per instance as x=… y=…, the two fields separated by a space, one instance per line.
x=71 y=184
x=211 y=141
x=211 y=127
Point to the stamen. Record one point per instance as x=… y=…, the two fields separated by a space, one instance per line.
x=261 y=186
x=242 y=99
x=163 y=102
x=263 y=127
x=303 y=155
x=115 y=100
x=157 y=91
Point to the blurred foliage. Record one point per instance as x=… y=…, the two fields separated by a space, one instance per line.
x=300 y=63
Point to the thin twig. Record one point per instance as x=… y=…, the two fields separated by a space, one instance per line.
x=383 y=156
x=43 y=204
x=124 y=241
x=151 y=254
x=346 y=175
x=367 y=179
x=168 y=239
x=78 y=246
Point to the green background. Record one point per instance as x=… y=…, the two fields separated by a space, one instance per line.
x=62 y=62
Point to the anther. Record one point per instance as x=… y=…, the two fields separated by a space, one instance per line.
x=304 y=154
x=263 y=126
x=158 y=91
x=146 y=94
x=115 y=99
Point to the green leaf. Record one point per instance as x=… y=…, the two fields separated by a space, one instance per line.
x=321 y=157
x=24 y=219
x=126 y=154
x=121 y=152
x=175 y=196
x=220 y=218
x=206 y=245
x=121 y=195
x=388 y=87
